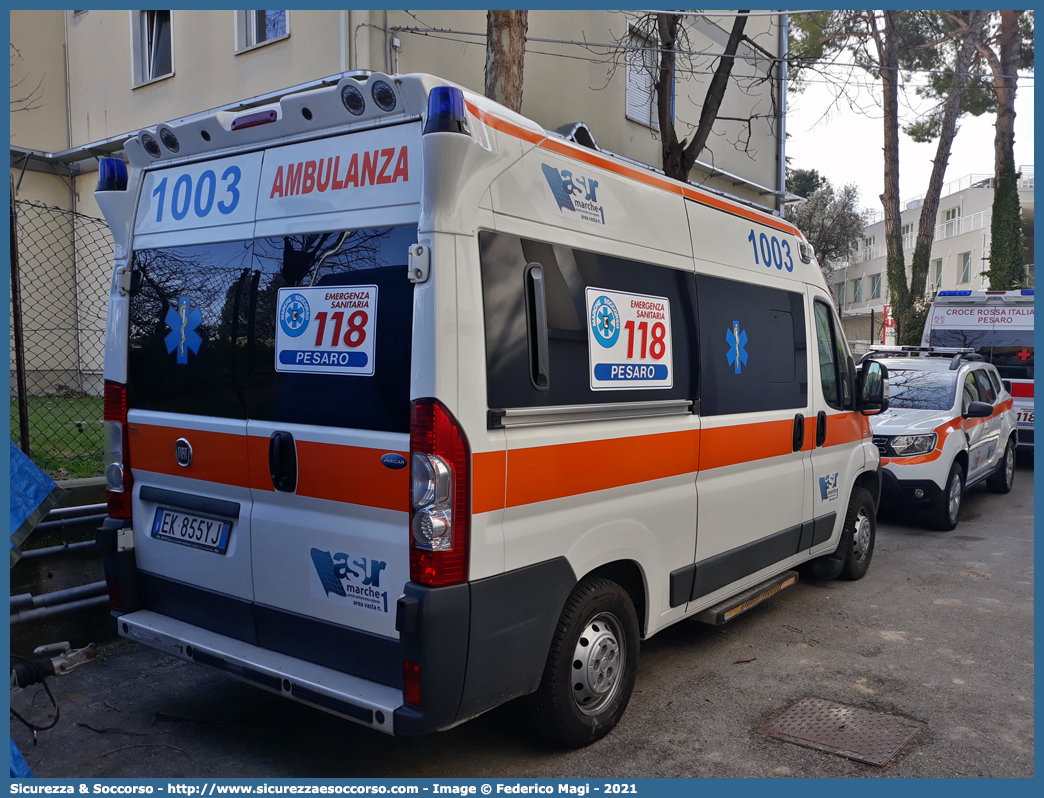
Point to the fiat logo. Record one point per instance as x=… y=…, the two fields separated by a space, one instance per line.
x=183 y=452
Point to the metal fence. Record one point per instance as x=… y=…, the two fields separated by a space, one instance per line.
x=61 y=266
x=862 y=330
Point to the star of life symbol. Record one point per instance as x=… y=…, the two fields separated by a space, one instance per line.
x=183 y=323
x=605 y=321
x=736 y=341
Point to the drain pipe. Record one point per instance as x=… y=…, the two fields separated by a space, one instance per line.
x=25 y=616
x=27 y=601
x=784 y=22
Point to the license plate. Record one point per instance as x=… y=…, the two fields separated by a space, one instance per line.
x=188 y=529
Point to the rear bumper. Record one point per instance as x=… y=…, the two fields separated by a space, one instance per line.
x=477 y=644
x=351 y=697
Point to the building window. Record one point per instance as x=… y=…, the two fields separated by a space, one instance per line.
x=964 y=260
x=857 y=290
x=875 y=286
x=255 y=28
x=908 y=236
x=868 y=242
x=642 y=63
x=951 y=222
x=937 y=270
x=840 y=294
x=153 y=49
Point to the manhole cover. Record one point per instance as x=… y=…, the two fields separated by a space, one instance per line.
x=859 y=734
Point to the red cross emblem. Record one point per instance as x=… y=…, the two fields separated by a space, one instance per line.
x=1024 y=355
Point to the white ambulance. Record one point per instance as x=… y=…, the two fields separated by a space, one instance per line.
x=415 y=407
x=999 y=326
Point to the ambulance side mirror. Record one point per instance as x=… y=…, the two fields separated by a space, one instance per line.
x=873 y=388
x=1007 y=385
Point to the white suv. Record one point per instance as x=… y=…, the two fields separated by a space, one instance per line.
x=949 y=425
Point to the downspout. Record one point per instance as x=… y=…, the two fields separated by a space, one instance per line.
x=782 y=179
x=72 y=216
x=387 y=46
x=343 y=53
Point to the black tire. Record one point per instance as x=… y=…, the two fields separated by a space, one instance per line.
x=1001 y=480
x=948 y=505
x=860 y=534
x=573 y=706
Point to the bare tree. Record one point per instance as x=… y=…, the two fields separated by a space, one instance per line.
x=23 y=99
x=506 y=56
x=668 y=35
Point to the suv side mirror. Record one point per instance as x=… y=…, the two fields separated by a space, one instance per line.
x=873 y=388
x=979 y=410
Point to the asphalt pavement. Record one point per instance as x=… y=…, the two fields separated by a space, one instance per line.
x=940 y=631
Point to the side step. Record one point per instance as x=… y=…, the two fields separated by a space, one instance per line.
x=720 y=614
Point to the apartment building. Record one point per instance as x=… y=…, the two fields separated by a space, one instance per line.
x=960 y=247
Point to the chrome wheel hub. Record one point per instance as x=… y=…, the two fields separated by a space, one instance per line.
x=861 y=536
x=598 y=663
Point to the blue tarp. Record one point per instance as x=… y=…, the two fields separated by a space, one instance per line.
x=33 y=494
x=19 y=768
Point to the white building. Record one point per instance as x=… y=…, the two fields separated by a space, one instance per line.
x=960 y=250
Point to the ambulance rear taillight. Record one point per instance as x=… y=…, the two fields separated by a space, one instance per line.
x=440 y=462
x=118 y=481
x=446 y=112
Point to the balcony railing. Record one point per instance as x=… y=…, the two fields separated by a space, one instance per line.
x=962 y=224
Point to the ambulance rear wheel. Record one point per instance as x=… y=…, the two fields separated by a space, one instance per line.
x=591 y=667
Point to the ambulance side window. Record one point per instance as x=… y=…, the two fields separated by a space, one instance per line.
x=834 y=374
x=566 y=273
x=754 y=351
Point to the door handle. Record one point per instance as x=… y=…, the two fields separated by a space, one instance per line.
x=820 y=428
x=282 y=461
x=799 y=432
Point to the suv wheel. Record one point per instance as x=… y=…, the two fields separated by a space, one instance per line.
x=948 y=505
x=1004 y=477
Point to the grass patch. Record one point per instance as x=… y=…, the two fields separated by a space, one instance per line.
x=65 y=434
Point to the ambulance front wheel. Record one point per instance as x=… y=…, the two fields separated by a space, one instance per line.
x=861 y=530
x=591 y=667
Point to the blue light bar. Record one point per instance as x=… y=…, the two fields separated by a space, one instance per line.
x=1027 y=292
x=955 y=293
x=446 y=112
x=112 y=175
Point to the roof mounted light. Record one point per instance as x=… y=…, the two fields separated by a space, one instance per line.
x=383 y=95
x=1027 y=292
x=955 y=293
x=151 y=145
x=112 y=175
x=353 y=100
x=446 y=112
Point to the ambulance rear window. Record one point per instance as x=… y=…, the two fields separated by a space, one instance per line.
x=203 y=322
x=1011 y=351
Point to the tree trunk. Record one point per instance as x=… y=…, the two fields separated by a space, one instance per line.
x=947 y=131
x=888 y=58
x=1006 y=242
x=680 y=156
x=505 y=56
